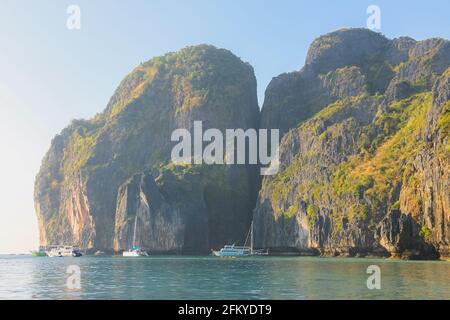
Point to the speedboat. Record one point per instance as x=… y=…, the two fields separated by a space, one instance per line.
x=135 y=252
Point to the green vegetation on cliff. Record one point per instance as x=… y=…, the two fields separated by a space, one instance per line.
x=369 y=177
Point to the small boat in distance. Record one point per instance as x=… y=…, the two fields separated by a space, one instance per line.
x=63 y=251
x=233 y=251
x=135 y=251
x=39 y=253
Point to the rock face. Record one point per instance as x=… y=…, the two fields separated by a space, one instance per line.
x=364 y=155
x=101 y=175
x=365 y=152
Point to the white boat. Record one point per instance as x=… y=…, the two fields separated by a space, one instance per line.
x=135 y=251
x=233 y=251
x=63 y=251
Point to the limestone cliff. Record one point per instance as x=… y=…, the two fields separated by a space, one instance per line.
x=365 y=155
x=95 y=178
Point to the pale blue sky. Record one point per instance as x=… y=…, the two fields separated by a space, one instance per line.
x=50 y=75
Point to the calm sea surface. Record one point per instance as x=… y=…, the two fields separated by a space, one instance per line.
x=174 y=277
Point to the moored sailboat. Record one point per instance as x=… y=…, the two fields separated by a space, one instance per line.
x=135 y=251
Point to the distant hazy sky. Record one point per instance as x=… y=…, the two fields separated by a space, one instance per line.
x=50 y=75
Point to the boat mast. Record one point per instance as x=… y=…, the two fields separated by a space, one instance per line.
x=134 y=232
x=251 y=237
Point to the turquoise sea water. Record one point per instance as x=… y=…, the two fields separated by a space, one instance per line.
x=175 y=277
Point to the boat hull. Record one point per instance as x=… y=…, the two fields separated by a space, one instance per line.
x=229 y=255
x=62 y=255
x=134 y=253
